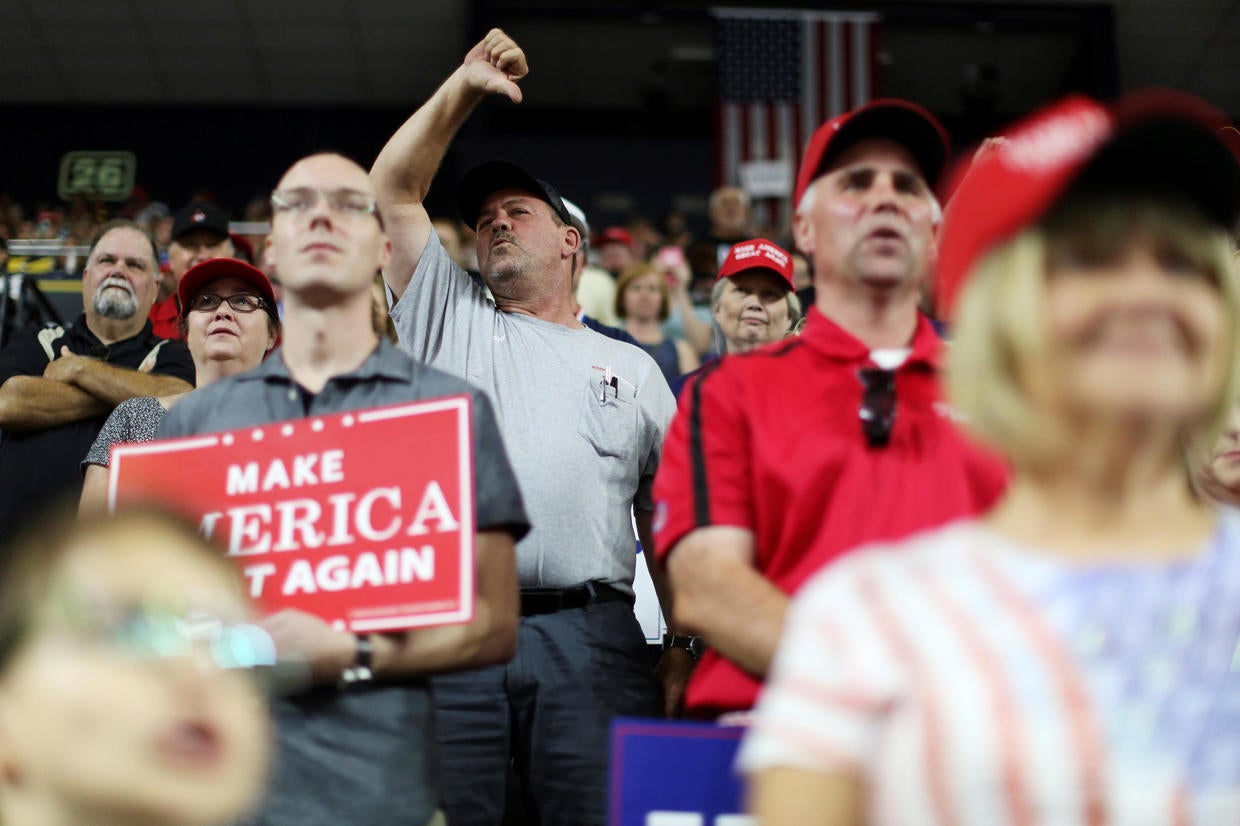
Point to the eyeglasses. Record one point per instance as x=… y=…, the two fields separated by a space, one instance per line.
x=300 y=200
x=878 y=405
x=146 y=633
x=241 y=302
x=143 y=633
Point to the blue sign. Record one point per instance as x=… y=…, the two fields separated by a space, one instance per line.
x=674 y=774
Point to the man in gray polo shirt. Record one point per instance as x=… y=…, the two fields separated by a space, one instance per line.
x=583 y=417
x=365 y=754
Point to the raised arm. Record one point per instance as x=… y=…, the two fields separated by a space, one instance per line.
x=403 y=172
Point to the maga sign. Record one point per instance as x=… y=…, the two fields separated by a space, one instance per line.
x=331 y=515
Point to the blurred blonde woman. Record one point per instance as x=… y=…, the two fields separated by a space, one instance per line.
x=131 y=684
x=1068 y=658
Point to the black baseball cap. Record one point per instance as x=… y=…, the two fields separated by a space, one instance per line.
x=493 y=176
x=199 y=215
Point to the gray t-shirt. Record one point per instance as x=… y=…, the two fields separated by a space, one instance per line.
x=584 y=450
x=364 y=756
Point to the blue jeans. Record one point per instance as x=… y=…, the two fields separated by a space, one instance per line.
x=549 y=712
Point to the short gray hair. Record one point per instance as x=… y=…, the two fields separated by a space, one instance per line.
x=807 y=203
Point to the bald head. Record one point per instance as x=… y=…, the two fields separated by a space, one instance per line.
x=313 y=167
x=326 y=234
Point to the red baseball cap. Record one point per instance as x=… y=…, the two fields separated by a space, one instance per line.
x=1158 y=141
x=199 y=274
x=614 y=235
x=757 y=254
x=896 y=120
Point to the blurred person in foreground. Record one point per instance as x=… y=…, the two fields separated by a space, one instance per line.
x=1068 y=658
x=643 y=302
x=133 y=688
x=58 y=386
x=226 y=335
x=360 y=751
x=783 y=459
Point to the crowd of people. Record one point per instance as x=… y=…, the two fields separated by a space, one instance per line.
x=996 y=581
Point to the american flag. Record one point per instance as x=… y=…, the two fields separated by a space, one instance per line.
x=781 y=74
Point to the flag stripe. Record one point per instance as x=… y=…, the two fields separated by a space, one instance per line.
x=846 y=64
x=861 y=64
x=781 y=75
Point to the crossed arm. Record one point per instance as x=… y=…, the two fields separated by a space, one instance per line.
x=75 y=387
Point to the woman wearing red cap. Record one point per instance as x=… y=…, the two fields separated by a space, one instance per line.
x=1071 y=656
x=225 y=336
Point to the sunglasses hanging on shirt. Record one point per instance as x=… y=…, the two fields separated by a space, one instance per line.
x=878 y=405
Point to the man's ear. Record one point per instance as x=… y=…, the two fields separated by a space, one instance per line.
x=803 y=234
x=385 y=254
x=572 y=241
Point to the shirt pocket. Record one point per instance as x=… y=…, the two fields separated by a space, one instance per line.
x=608 y=420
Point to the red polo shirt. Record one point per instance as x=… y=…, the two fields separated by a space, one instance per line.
x=165 y=318
x=771 y=441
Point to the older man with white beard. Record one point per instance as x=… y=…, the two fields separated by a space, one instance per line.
x=58 y=386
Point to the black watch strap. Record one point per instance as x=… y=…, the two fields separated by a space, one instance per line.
x=693 y=644
x=363 y=663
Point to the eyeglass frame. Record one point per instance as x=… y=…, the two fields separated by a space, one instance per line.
x=262 y=302
x=330 y=196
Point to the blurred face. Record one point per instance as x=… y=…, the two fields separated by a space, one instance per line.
x=119 y=280
x=1222 y=473
x=225 y=334
x=520 y=245
x=102 y=729
x=752 y=310
x=729 y=211
x=643 y=297
x=196 y=246
x=871 y=220
x=325 y=247
x=1138 y=333
x=615 y=258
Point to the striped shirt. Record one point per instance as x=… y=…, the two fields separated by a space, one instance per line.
x=968 y=680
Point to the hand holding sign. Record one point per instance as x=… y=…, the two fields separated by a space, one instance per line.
x=302 y=636
x=319 y=516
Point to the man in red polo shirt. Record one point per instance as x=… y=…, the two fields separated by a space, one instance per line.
x=780 y=460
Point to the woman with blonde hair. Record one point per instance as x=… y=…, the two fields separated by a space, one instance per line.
x=643 y=303
x=1069 y=657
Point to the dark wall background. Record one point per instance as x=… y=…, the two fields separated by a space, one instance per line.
x=239 y=153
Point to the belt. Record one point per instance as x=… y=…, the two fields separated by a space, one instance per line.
x=536 y=601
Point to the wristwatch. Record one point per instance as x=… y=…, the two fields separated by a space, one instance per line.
x=696 y=646
x=360 y=671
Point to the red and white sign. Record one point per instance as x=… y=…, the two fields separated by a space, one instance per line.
x=365 y=519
